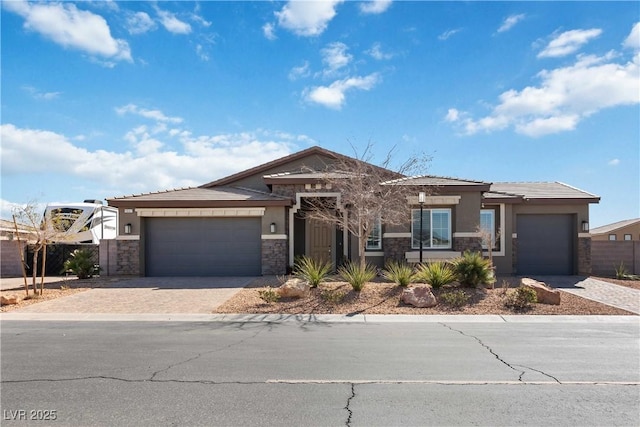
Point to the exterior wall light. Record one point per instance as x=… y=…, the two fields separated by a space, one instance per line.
x=127 y=228
x=585 y=226
x=272 y=227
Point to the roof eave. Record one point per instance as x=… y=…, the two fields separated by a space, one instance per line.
x=198 y=203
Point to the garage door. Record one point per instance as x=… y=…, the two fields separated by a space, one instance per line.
x=545 y=244
x=202 y=247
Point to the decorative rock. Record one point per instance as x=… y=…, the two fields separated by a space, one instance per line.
x=294 y=288
x=9 y=300
x=545 y=294
x=420 y=296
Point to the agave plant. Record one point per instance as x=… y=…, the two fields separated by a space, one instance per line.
x=356 y=275
x=311 y=270
x=398 y=272
x=436 y=273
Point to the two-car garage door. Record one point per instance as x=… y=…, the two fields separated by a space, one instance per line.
x=202 y=246
x=545 y=244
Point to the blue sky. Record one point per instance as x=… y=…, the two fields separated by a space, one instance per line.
x=103 y=99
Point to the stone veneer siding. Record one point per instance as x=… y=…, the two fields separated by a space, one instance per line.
x=274 y=256
x=120 y=258
x=396 y=247
x=584 y=256
x=461 y=244
x=11 y=262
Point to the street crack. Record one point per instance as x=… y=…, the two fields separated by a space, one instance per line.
x=347 y=407
x=500 y=359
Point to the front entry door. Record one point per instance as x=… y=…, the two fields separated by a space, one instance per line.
x=320 y=241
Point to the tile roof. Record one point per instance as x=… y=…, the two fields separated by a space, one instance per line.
x=614 y=226
x=437 y=181
x=540 y=190
x=203 y=194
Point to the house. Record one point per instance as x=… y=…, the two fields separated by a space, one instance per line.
x=253 y=222
x=621 y=230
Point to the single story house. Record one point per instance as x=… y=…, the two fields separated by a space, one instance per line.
x=622 y=230
x=253 y=223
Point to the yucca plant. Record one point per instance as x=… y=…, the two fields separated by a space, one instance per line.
x=436 y=273
x=398 y=272
x=80 y=263
x=311 y=270
x=473 y=270
x=356 y=275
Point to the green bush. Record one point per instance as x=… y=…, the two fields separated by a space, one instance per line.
x=356 y=275
x=473 y=270
x=454 y=299
x=311 y=270
x=435 y=273
x=80 y=263
x=521 y=298
x=398 y=272
x=269 y=295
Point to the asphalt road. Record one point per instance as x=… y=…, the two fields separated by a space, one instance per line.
x=328 y=374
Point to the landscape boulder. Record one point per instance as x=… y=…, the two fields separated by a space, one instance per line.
x=545 y=294
x=8 y=300
x=294 y=288
x=419 y=296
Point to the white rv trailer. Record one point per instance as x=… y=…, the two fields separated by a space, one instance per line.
x=86 y=222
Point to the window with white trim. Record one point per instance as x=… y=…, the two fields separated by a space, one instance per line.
x=627 y=237
x=488 y=227
x=374 y=241
x=612 y=237
x=436 y=229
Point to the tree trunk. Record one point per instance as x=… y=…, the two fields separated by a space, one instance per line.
x=44 y=267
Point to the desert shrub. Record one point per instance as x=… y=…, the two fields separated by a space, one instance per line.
x=398 y=272
x=80 y=263
x=311 y=270
x=436 y=273
x=473 y=270
x=269 y=295
x=357 y=275
x=623 y=274
x=332 y=296
x=521 y=298
x=454 y=299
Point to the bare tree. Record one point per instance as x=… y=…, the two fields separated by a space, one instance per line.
x=39 y=231
x=368 y=194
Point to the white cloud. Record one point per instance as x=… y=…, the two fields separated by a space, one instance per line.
x=42 y=96
x=151 y=166
x=633 y=40
x=510 y=21
x=568 y=42
x=171 y=23
x=335 y=57
x=139 y=23
x=300 y=71
x=333 y=96
x=375 y=6
x=613 y=162
x=149 y=114
x=376 y=52
x=268 y=30
x=70 y=27
x=564 y=97
x=202 y=52
x=307 y=18
x=448 y=33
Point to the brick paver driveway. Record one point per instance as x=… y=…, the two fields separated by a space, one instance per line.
x=148 y=295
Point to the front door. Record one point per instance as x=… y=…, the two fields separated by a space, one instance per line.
x=320 y=241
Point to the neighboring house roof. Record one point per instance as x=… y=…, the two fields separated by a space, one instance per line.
x=614 y=226
x=539 y=191
x=198 y=197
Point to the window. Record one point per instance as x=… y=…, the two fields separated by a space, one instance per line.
x=612 y=237
x=627 y=237
x=375 y=237
x=488 y=227
x=436 y=228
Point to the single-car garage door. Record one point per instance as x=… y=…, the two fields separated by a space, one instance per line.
x=545 y=244
x=202 y=247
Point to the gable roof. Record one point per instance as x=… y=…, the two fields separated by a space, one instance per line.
x=614 y=226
